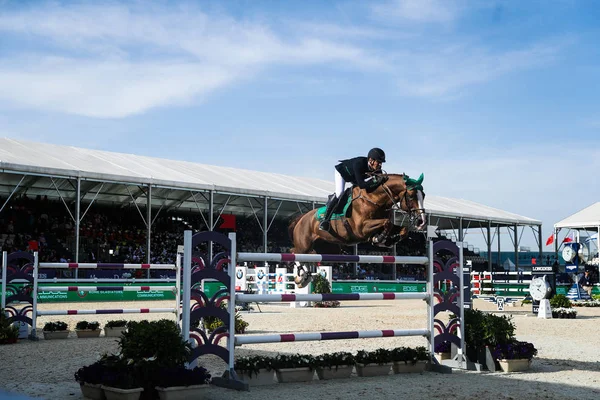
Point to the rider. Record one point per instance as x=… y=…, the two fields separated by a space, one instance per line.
x=354 y=170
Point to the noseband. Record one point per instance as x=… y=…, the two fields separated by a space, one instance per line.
x=413 y=214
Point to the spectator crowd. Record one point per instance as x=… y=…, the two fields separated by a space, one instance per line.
x=119 y=234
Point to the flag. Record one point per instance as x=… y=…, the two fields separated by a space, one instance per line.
x=591 y=238
x=228 y=221
x=533 y=261
x=550 y=240
x=569 y=238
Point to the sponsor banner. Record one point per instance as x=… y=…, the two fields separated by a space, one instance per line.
x=111 y=295
x=375 y=287
x=211 y=288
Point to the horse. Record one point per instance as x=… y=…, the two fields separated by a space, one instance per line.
x=368 y=218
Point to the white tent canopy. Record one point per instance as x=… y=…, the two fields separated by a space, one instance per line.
x=48 y=160
x=588 y=218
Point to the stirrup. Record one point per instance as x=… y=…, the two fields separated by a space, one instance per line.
x=324 y=225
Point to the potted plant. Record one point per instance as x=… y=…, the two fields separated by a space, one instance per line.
x=562 y=307
x=443 y=351
x=90 y=377
x=373 y=363
x=293 y=367
x=85 y=329
x=114 y=328
x=514 y=356
x=121 y=381
x=560 y=301
x=322 y=286
x=562 y=312
x=56 y=330
x=9 y=333
x=406 y=359
x=334 y=365
x=180 y=383
x=211 y=323
x=256 y=370
x=153 y=348
x=483 y=331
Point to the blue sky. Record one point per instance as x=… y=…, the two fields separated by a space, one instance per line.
x=495 y=101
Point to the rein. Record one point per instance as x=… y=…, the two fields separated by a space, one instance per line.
x=413 y=213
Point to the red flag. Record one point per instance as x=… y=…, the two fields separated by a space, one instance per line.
x=228 y=221
x=550 y=240
x=569 y=238
x=533 y=261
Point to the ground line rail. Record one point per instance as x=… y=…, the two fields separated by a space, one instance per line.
x=304 y=337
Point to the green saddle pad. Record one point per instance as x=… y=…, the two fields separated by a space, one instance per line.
x=321 y=210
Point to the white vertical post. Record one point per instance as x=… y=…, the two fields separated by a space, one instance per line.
x=34 y=295
x=430 y=315
x=231 y=271
x=4 y=270
x=178 y=288
x=461 y=356
x=187 y=286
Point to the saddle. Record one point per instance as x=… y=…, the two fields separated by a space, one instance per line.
x=342 y=207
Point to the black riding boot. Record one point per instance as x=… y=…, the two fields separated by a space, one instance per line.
x=325 y=224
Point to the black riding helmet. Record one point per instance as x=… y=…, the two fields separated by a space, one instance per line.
x=377 y=154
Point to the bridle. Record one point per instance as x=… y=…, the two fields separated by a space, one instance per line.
x=413 y=214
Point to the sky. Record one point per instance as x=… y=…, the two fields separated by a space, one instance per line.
x=496 y=102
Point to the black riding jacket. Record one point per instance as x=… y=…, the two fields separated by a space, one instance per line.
x=355 y=170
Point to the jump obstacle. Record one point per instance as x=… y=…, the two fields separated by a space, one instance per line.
x=445 y=263
x=28 y=274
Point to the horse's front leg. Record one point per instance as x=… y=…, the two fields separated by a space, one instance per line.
x=377 y=230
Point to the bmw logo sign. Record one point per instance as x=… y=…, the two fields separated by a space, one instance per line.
x=260 y=274
x=239 y=274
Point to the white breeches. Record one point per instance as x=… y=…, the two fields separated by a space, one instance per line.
x=340 y=184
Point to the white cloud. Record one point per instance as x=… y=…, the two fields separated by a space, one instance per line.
x=113 y=60
x=446 y=72
x=117 y=61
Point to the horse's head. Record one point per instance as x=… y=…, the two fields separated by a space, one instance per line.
x=409 y=197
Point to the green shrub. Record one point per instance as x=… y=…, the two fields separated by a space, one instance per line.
x=322 y=286
x=212 y=323
x=560 y=301
x=250 y=365
x=293 y=361
x=379 y=356
x=334 y=360
x=55 y=326
x=83 y=325
x=8 y=332
x=156 y=341
x=484 y=329
x=116 y=323
x=408 y=354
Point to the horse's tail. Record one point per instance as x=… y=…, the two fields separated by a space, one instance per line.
x=291 y=227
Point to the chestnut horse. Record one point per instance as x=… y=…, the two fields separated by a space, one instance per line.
x=368 y=219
